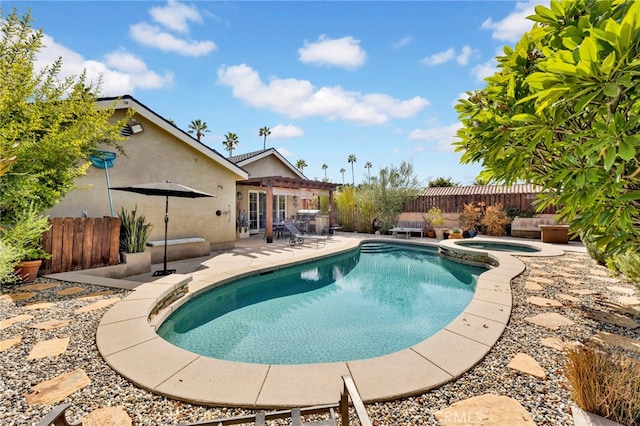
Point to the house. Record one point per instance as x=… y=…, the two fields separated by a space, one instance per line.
x=157 y=151
x=276 y=191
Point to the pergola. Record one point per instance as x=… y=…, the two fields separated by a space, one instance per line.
x=269 y=182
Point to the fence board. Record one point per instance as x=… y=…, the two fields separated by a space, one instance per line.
x=455 y=203
x=81 y=243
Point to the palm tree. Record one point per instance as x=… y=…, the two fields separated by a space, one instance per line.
x=352 y=159
x=325 y=167
x=264 y=131
x=198 y=127
x=230 y=142
x=368 y=166
x=301 y=164
x=342 y=170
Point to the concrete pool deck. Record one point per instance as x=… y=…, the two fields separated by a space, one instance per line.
x=128 y=342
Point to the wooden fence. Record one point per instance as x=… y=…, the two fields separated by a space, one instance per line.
x=81 y=243
x=455 y=203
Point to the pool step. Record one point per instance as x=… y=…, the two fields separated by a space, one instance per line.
x=378 y=248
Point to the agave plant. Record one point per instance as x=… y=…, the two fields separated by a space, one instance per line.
x=134 y=231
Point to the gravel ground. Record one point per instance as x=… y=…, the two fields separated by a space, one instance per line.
x=548 y=401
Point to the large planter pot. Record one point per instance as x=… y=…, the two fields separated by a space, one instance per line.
x=440 y=233
x=27 y=270
x=455 y=235
x=137 y=263
x=242 y=233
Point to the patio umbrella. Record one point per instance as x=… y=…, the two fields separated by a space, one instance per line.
x=165 y=189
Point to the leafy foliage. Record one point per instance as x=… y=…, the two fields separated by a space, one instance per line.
x=23 y=237
x=495 y=220
x=48 y=125
x=434 y=217
x=563 y=113
x=134 y=231
x=230 y=142
x=470 y=217
x=442 y=182
x=628 y=264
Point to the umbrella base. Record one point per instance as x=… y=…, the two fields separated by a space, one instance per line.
x=164 y=272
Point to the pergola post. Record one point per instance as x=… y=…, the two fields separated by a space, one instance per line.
x=269 y=230
x=331 y=209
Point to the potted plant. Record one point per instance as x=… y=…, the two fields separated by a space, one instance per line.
x=134 y=233
x=456 y=233
x=242 y=225
x=470 y=219
x=435 y=219
x=23 y=240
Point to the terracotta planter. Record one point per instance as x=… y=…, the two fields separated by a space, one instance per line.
x=431 y=234
x=455 y=235
x=27 y=270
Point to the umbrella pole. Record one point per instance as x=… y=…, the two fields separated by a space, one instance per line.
x=165 y=271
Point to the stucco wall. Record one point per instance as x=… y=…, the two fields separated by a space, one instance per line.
x=154 y=156
x=269 y=166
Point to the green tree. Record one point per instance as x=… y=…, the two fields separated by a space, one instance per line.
x=230 y=142
x=342 y=171
x=352 y=159
x=325 y=167
x=198 y=127
x=390 y=190
x=301 y=164
x=49 y=125
x=563 y=113
x=368 y=166
x=441 y=181
x=264 y=132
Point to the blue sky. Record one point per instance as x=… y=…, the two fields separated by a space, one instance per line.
x=375 y=79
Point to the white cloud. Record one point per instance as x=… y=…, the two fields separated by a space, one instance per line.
x=465 y=54
x=513 y=26
x=285 y=152
x=119 y=73
x=298 y=98
x=401 y=43
x=484 y=70
x=176 y=16
x=343 y=52
x=282 y=131
x=153 y=36
x=441 y=136
x=440 y=57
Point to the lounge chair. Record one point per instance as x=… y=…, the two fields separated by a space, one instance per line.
x=297 y=237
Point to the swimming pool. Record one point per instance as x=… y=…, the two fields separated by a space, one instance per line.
x=378 y=299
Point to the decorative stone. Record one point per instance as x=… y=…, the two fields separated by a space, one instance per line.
x=625 y=343
x=55 y=390
x=541 y=280
x=573 y=281
x=9 y=322
x=51 y=324
x=94 y=295
x=112 y=416
x=542 y=301
x=622 y=290
x=6 y=344
x=567 y=297
x=551 y=320
x=599 y=272
x=555 y=343
x=614 y=319
x=538 y=272
x=583 y=291
x=49 y=348
x=527 y=365
x=69 y=291
x=98 y=305
x=17 y=297
x=39 y=306
x=629 y=300
x=621 y=309
x=530 y=285
x=605 y=279
x=38 y=287
x=488 y=409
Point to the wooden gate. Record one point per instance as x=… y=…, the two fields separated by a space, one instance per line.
x=81 y=243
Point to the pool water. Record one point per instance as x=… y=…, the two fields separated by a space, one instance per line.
x=506 y=247
x=373 y=301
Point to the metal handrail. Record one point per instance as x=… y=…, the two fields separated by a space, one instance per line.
x=350 y=390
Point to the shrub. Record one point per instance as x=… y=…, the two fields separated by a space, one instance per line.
x=134 y=231
x=605 y=383
x=595 y=252
x=495 y=219
x=434 y=217
x=470 y=217
x=628 y=264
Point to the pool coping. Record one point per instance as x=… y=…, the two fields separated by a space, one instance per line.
x=128 y=342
